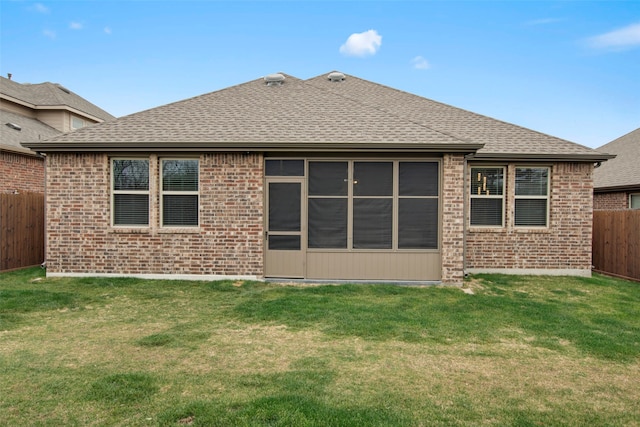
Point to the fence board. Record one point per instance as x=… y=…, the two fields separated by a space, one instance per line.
x=21 y=230
x=616 y=242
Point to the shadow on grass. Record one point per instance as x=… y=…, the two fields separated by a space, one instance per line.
x=16 y=302
x=602 y=325
x=292 y=398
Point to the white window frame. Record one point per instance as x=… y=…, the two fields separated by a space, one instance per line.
x=73 y=119
x=114 y=192
x=633 y=196
x=528 y=197
x=488 y=196
x=178 y=193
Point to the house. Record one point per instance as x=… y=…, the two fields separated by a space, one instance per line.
x=33 y=112
x=330 y=178
x=617 y=182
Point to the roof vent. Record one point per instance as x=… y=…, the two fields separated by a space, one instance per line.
x=336 y=77
x=274 y=79
x=14 y=126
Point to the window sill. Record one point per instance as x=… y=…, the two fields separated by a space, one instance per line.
x=525 y=230
x=179 y=230
x=129 y=230
x=487 y=229
x=519 y=230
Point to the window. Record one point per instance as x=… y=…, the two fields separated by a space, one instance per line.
x=418 y=205
x=179 y=191
x=373 y=205
x=531 y=197
x=284 y=168
x=328 y=202
x=487 y=196
x=130 y=195
x=77 y=123
x=634 y=201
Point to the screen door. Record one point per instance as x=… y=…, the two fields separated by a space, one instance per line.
x=284 y=237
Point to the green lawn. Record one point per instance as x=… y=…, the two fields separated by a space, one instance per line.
x=523 y=351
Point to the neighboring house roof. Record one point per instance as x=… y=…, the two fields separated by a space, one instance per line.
x=50 y=95
x=623 y=172
x=15 y=128
x=318 y=114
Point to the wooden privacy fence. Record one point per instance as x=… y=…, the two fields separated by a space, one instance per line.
x=21 y=230
x=616 y=243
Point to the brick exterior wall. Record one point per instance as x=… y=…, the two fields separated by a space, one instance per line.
x=228 y=242
x=453 y=218
x=564 y=245
x=611 y=201
x=21 y=173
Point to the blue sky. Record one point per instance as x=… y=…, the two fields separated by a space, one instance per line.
x=566 y=68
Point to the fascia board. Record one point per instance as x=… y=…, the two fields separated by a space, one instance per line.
x=543 y=157
x=238 y=147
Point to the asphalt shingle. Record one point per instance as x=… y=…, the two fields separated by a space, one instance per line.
x=317 y=110
x=624 y=170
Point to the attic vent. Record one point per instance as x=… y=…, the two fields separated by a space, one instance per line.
x=14 y=126
x=336 y=77
x=274 y=79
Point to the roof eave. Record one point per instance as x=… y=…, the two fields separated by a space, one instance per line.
x=19 y=150
x=553 y=157
x=63 y=107
x=617 y=188
x=252 y=146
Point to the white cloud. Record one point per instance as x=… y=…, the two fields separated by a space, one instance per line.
x=420 y=63
x=49 y=33
x=40 y=8
x=623 y=38
x=362 y=44
x=107 y=30
x=76 y=26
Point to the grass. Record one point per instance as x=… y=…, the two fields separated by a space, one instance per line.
x=520 y=351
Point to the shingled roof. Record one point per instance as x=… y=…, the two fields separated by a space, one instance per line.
x=317 y=114
x=15 y=128
x=47 y=95
x=623 y=172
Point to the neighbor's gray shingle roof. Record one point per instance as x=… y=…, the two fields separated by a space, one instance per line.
x=317 y=111
x=31 y=130
x=624 y=170
x=50 y=95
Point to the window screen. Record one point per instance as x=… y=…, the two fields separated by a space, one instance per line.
x=327 y=223
x=284 y=168
x=487 y=196
x=418 y=178
x=531 y=197
x=372 y=223
x=384 y=205
x=485 y=211
x=418 y=224
x=284 y=243
x=328 y=178
x=130 y=198
x=180 y=193
x=373 y=179
x=284 y=206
